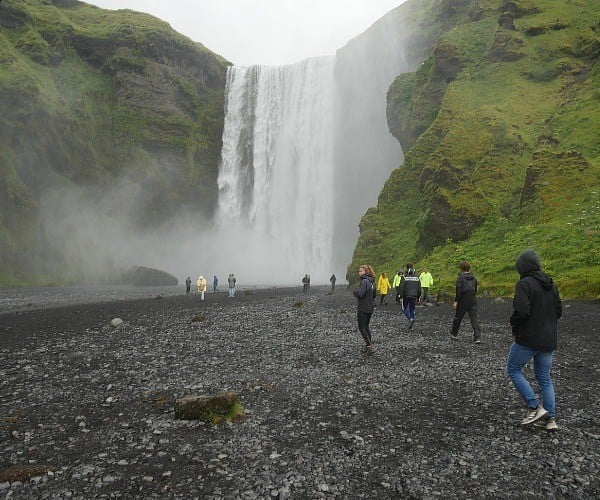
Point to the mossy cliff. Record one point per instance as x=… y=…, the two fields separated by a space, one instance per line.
x=499 y=126
x=90 y=97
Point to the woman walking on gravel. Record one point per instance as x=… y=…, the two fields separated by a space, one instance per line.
x=366 y=303
x=536 y=309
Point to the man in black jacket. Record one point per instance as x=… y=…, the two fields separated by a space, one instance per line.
x=536 y=309
x=465 y=301
x=410 y=291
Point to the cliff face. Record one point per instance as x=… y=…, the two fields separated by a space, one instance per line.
x=501 y=147
x=113 y=105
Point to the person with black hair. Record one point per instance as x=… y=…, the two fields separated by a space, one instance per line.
x=410 y=291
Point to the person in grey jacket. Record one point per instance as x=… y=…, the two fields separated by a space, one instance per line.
x=536 y=310
x=465 y=301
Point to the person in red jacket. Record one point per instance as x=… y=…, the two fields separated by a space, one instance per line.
x=536 y=310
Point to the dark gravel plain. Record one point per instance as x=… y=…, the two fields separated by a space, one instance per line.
x=87 y=410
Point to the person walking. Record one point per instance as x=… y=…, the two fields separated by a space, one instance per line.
x=332 y=280
x=396 y=285
x=215 y=283
x=188 y=285
x=366 y=304
x=201 y=286
x=465 y=301
x=231 y=282
x=426 y=281
x=383 y=287
x=410 y=291
x=536 y=310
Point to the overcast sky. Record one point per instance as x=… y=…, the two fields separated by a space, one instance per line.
x=272 y=32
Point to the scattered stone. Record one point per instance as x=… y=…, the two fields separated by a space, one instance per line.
x=20 y=473
x=116 y=322
x=300 y=303
x=199 y=318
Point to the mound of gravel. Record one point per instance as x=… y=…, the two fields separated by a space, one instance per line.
x=89 y=408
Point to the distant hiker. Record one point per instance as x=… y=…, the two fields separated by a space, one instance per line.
x=383 y=287
x=396 y=285
x=201 y=286
x=332 y=280
x=215 y=284
x=536 y=309
x=410 y=291
x=366 y=303
x=426 y=281
x=231 y=282
x=305 y=283
x=465 y=301
x=188 y=285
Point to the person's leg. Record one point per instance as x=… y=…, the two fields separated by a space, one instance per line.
x=458 y=316
x=405 y=305
x=368 y=325
x=425 y=297
x=518 y=356
x=474 y=321
x=412 y=302
x=542 y=365
x=363 y=326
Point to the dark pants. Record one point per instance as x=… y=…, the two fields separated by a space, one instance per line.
x=408 y=304
x=363 y=326
x=383 y=298
x=187 y=289
x=461 y=309
x=425 y=296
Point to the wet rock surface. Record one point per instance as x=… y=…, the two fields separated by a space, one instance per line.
x=423 y=417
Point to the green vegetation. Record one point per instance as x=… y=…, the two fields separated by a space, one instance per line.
x=500 y=133
x=91 y=97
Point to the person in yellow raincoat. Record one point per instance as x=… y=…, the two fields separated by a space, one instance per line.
x=201 y=286
x=383 y=287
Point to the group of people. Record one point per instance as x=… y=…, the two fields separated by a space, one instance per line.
x=201 y=283
x=536 y=309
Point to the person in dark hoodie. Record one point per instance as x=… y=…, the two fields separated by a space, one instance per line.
x=536 y=309
x=410 y=291
x=465 y=301
x=366 y=303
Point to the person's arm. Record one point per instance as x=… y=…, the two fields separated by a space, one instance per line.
x=521 y=304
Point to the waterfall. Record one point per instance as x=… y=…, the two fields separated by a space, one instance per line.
x=276 y=176
x=306 y=151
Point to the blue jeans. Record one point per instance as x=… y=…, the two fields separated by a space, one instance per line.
x=518 y=356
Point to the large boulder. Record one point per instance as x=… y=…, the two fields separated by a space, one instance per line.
x=148 y=276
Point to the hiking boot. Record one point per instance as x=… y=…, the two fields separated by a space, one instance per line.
x=477 y=341
x=411 y=323
x=454 y=336
x=534 y=415
x=549 y=424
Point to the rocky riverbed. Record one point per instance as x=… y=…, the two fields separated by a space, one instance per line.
x=86 y=410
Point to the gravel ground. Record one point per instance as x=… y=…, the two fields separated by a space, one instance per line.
x=87 y=410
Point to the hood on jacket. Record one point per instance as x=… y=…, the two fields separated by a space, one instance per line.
x=528 y=262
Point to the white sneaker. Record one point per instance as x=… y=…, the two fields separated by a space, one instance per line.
x=548 y=424
x=534 y=415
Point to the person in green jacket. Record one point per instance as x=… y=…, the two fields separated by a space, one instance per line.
x=396 y=285
x=426 y=281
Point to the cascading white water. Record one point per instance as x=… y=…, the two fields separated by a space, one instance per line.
x=306 y=151
x=276 y=176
